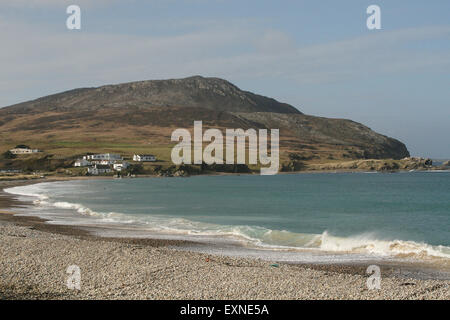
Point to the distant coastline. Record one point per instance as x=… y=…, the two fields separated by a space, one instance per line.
x=390 y=166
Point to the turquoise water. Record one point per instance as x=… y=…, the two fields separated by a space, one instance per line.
x=362 y=212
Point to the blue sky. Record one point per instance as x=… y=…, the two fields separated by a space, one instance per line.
x=316 y=55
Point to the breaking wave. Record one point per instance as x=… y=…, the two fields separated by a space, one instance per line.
x=366 y=243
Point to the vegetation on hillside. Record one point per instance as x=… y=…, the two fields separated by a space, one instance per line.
x=140 y=117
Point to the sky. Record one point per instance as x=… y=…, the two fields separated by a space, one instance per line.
x=316 y=55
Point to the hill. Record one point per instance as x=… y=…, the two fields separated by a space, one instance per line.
x=140 y=116
x=192 y=92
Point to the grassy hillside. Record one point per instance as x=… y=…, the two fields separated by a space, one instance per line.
x=139 y=117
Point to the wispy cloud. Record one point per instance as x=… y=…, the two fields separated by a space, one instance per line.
x=387 y=52
x=39 y=57
x=55 y=3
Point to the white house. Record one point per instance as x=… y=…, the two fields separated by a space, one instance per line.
x=103 y=156
x=82 y=163
x=24 y=150
x=10 y=171
x=144 y=158
x=99 y=169
x=104 y=162
x=120 y=166
x=93 y=170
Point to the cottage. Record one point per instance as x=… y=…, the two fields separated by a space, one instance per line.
x=82 y=163
x=144 y=158
x=10 y=171
x=99 y=169
x=104 y=162
x=24 y=151
x=103 y=156
x=121 y=166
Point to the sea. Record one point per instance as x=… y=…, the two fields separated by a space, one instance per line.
x=317 y=217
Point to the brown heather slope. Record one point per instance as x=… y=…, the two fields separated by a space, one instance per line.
x=210 y=93
x=140 y=116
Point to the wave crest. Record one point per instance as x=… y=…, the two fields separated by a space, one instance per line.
x=366 y=243
x=262 y=237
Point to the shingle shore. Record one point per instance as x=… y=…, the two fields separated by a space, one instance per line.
x=34 y=263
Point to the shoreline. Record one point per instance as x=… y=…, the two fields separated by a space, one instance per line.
x=198 y=245
x=8 y=202
x=12 y=178
x=399 y=277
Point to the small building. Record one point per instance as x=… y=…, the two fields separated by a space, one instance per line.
x=82 y=163
x=10 y=171
x=104 y=162
x=99 y=169
x=24 y=151
x=144 y=158
x=103 y=156
x=121 y=166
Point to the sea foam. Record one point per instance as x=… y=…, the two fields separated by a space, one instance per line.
x=366 y=243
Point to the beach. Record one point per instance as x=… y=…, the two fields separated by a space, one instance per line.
x=36 y=255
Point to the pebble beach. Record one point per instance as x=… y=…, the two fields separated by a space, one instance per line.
x=35 y=257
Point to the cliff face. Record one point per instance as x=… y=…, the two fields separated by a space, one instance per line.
x=149 y=110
